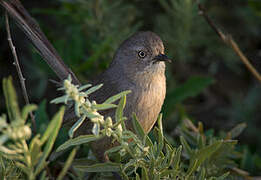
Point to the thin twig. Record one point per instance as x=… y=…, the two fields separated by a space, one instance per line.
x=229 y=41
x=19 y=71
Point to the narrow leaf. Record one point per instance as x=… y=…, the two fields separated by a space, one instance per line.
x=119 y=110
x=192 y=168
x=54 y=127
x=25 y=169
x=95 y=88
x=67 y=164
x=177 y=157
x=137 y=127
x=116 y=97
x=84 y=87
x=160 y=134
x=61 y=99
x=207 y=151
x=186 y=146
x=100 y=167
x=11 y=99
x=27 y=109
x=236 y=131
x=35 y=149
x=77 y=141
x=144 y=174
x=103 y=106
x=76 y=126
x=114 y=149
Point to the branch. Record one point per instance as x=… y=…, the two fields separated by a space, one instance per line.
x=18 y=68
x=32 y=30
x=229 y=41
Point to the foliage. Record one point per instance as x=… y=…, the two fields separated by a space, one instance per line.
x=30 y=158
x=156 y=160
x=139 y=156
x=87 y=33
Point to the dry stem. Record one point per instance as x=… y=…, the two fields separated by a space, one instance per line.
x=229 y=41
x=18 y=68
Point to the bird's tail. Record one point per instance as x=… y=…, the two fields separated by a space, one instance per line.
x=27 y=24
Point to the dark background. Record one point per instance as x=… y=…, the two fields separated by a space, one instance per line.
x=206 y=82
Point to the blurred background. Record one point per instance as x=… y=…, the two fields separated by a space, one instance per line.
x=206 y=81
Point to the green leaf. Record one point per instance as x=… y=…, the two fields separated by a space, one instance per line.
x=61 y=99
x=170 y=155
x=41 y=118
x=67 y=164
x=137 y=176
x=96 y=129
x=167 y=172
x=140 y=132
x=103 y=106
x=177 y=157
x=84 y=87
x=35 y=149
x=27 y=109
x=137 y=127
x=77 y=141
x=3 y=139
x=8 y=151
x=50 y=134
x=95 y=88
x=83 y=161
x=11 y=100
x=236 y=131
x=160 y=134
x=186 y=146
x=43 y=176
x=192 y=167
x=100 y=167
x=116 y=97
x=25 y=169
x=76 y=126
x=52 y=126
x=207 y=151
x=200 y=156
x=223 y=177
x=192 y=87
x=144 y=174
x=202 y=173
x=119 y=110
x=113 y=149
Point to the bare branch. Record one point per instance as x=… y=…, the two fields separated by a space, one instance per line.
x=229 y=41
x=18 y=68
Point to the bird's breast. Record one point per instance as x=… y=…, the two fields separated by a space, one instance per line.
x=146 y=100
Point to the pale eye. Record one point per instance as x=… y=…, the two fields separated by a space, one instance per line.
x=141 y=54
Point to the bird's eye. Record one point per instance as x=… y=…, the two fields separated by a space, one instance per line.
x=142 y=54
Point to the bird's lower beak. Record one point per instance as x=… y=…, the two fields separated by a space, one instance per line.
x=162 y=57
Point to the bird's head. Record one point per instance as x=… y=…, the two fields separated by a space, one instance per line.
x=141 y=54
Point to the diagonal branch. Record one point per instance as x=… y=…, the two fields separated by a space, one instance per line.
x=18 y=68
x=229 y=41
x=32 y=30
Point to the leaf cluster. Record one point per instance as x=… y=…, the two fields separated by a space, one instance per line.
x=29 y=158
x=137 y=155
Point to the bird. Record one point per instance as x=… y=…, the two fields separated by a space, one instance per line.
x=138 y=65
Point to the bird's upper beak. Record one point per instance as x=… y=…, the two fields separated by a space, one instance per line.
x=161 y=57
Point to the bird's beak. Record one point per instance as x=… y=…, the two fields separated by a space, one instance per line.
x=161 y=57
